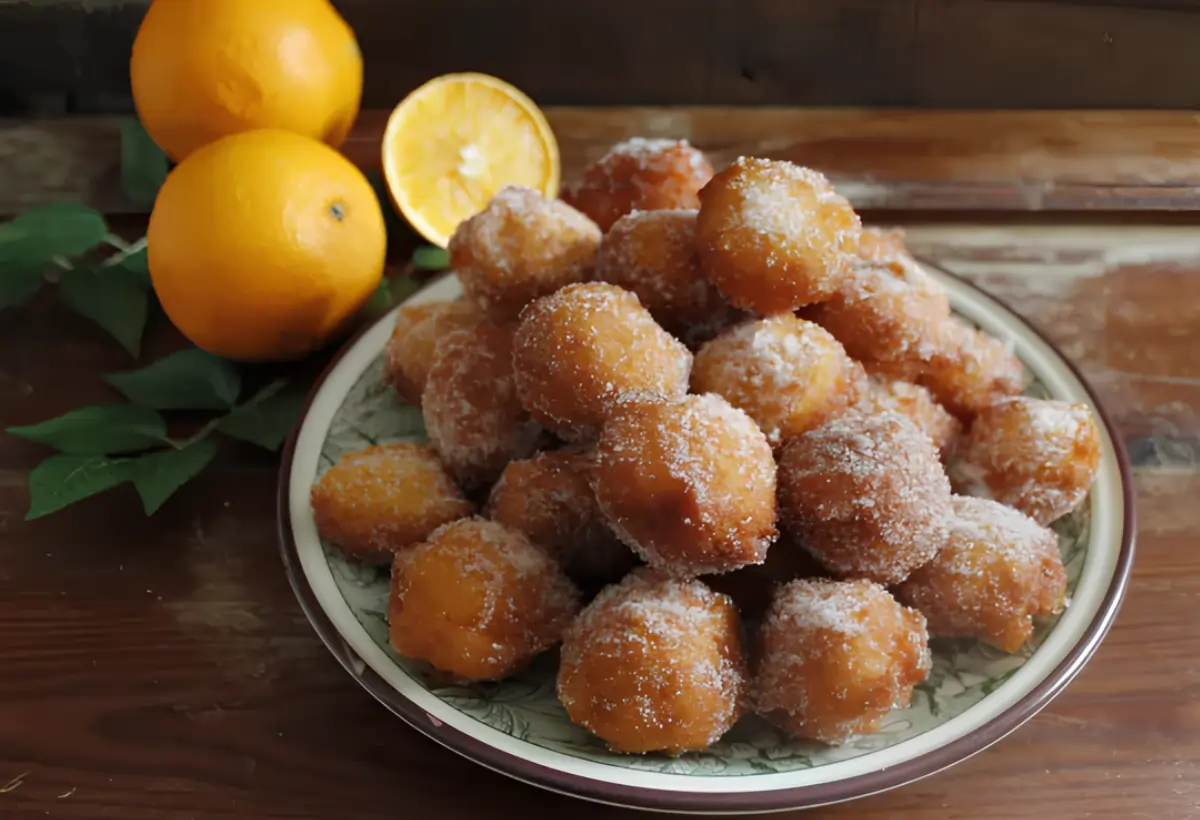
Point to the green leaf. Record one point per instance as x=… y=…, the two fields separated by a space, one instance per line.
x=112 y=297
x=18 y=285
x=158 y=475
x=99 y=430
x=380 y=300
x=138 y=264
x=393 y=222
x=188 y=380
x=429 y=257
x=61 y=480
x=267 y=418
x=59 y=229
x=143 y=164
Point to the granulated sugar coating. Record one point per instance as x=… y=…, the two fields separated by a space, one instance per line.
x=886 y=312
x=470 y=405
x=653 y=254
x=520 y=247
x=654 y=665
x=377 y=501
x=549 y=499
x=478 y=601
x=588 y=348
x=834 y=657
x=998 y=570
x=688 y=484
x=409 y=352
x=640 y=175
x=866 y=494
x=1034 y=455
x=774 y=236
x=971 y=370
x=883 y=394
x=788 y=374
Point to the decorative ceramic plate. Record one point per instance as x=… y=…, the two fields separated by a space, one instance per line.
x=974 y=696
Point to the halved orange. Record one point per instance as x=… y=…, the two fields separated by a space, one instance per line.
x=453 y=143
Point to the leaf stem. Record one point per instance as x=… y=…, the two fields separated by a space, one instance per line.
x=124 y=250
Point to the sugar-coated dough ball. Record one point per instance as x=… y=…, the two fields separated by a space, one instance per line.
x=688 y=484
x=971 y=370
x=653 y=254
x=520 y=247
x=866 y=495
x=640 y=175
x=654 y=664
x=478 y=601
x=549 y=499
x=904 y=397
x=752 y=587
x=588 y=348
x=998 y=569
x=377 y=501
x=1035 y=455
x=835 y=657
x=470 y=405
x=409 y=352
x=788 y=374
x=774 y=236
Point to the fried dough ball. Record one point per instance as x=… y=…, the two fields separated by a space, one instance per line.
x=587 y=348
x=640 y=175
x=788 y=374
x=549 y=499
x=866 y=494
x=470 y=405
x=998 y=569
x=774 y=236
x=752 y=587
x=654 y=664
x=409 y=352
x=653 y=254
x=886 y=312
x=884 y=247
x=1035 y=455
x=520 y=247
x=478 y=600
x=377 y=501
x=971 y=370
x=834 y=657
x=688 y=484
x=883 y=394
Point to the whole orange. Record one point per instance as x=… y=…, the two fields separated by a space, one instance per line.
x=204 y=69
x=262 y=245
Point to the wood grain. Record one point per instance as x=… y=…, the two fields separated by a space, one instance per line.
x=160 y=669
x=902 y=160
x=71 y=56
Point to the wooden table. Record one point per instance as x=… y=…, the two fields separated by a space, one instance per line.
x=160 y=668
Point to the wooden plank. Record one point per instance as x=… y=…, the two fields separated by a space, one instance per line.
x=72 y=55
x=882 y=159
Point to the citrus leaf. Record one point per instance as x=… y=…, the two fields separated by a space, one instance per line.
x=98 y=430
x=157 y=476
x=267 y=418
x=138 y=264
x=393 y=222
x=429 y=257
x=61 y=480
x=59 y=229
x=143 y=164
x=112 y=297
x=188 y=380
x=18 y=285
x=380 y=300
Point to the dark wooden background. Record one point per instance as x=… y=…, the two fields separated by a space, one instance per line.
x=71 y=56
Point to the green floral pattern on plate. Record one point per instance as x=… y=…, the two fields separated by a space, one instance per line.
x=964 y=671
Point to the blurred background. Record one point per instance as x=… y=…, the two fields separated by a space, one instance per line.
x=72 y=56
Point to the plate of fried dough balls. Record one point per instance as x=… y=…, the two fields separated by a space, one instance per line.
x=686 y=491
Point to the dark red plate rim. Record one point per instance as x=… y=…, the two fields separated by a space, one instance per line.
x=725 y=803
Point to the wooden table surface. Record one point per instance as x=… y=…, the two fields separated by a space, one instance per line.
x=160 y=668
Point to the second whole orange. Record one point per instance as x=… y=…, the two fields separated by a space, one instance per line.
x=263 y=245
x=204 y=69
